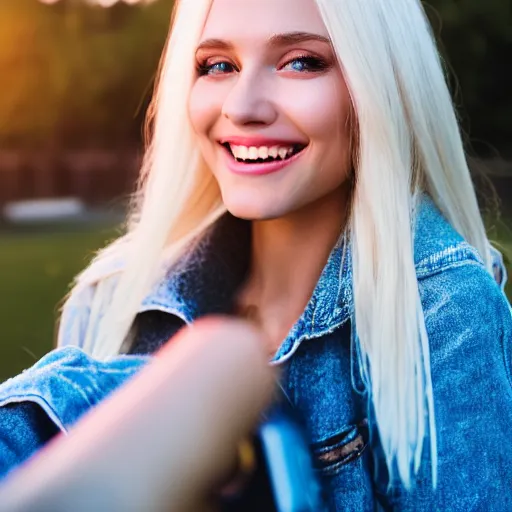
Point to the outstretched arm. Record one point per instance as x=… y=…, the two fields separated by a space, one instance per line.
x=164 y=440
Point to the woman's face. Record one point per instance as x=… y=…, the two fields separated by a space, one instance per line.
x=270 y=107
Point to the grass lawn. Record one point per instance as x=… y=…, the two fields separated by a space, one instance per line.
x=36 y=267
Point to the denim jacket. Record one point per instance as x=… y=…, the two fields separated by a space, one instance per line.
x=468 y=321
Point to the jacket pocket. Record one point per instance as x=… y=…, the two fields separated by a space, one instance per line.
x=333 y=454
x=343 y=462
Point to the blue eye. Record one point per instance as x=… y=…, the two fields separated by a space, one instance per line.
x=306 y=64
x=219 y=68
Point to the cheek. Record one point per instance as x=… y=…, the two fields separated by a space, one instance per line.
x=320 y=107
x=204 y=108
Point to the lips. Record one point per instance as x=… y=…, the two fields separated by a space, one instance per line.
x=261 y=141
x=261 y=154
x=259 y=166
x=261 y=149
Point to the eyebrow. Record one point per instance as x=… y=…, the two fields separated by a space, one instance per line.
x=275 y=41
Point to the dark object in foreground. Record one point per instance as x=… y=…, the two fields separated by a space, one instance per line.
x=284 y=479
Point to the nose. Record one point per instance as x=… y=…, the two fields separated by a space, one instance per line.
x=249 y=101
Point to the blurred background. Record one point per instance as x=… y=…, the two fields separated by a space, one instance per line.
x=76 y=78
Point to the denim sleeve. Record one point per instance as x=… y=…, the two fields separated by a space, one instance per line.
x=469 y=325
x=33 y=430
x=64 y=385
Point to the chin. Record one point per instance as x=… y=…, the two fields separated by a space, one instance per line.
x=248 y=211
x=252 y=203
x=245 y=213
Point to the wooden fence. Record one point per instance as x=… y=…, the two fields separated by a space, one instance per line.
x=93 y=176
x=101 y=176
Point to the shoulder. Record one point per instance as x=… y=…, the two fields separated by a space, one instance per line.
x=437 y=246
x=469 y=325
x=67 y=382
x=466 y=292
x=454 y=284
x=462 y=302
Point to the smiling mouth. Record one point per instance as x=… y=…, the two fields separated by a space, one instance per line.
x=257 y=155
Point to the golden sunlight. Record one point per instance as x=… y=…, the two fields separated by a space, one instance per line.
x=105 y=3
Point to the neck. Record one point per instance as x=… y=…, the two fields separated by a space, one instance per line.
x=288 y=256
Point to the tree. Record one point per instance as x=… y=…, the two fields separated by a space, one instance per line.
x=476 y=39
x=75 y=74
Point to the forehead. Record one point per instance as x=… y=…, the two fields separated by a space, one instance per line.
x=252 y=20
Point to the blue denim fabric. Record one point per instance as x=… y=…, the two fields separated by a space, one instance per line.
x=469 y=323
x=65 y=384
x=33 y=429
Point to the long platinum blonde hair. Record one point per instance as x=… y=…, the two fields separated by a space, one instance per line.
x=408 y=142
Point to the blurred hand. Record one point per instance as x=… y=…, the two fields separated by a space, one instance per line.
x=164 y=441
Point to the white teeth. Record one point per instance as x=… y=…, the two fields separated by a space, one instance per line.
x=273 y=151
x=253 y=153
x=241 y=152
x=283 y=152
x=263 y=152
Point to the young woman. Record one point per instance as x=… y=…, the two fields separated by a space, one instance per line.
x=306 y=171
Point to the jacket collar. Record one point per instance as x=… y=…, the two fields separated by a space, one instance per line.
x=206 y=281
